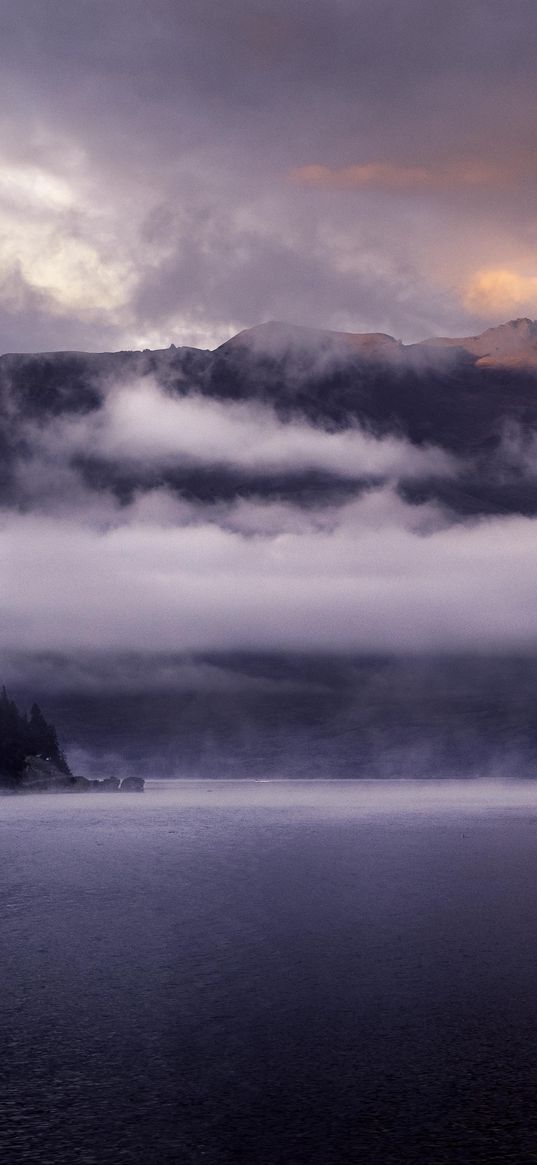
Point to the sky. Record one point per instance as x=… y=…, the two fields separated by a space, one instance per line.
x=181 y=170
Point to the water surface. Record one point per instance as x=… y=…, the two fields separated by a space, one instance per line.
x=270 y=973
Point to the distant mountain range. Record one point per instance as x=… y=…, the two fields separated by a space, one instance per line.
x=510 y=344
x=475 y=398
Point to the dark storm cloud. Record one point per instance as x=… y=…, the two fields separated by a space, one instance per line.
x=254 y=59
x=160 y=167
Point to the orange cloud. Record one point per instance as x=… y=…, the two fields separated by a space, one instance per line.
x=389 y=176
x=500 y=290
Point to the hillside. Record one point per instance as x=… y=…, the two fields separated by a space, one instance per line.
x=291 y=554
x=475 y=398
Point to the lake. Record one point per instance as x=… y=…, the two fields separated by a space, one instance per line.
x=271 y=973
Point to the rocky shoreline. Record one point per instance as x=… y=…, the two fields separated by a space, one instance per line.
x=33 y=761
x=42 y=776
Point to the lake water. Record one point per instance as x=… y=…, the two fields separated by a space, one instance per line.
x=270 y=974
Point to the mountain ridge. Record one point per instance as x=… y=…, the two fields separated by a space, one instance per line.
x=476 y=402
x=514 y=340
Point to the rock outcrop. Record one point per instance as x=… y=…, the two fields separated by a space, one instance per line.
x=42 y=776
x=132 y=785
x=107 y=785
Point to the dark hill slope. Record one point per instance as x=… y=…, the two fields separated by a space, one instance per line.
x=475 y=398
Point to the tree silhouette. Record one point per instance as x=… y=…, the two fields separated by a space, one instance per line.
x=22 y=736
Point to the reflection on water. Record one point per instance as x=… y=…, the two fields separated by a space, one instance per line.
x=270 y=973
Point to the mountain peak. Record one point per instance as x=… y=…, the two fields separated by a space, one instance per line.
x=513 y=343
x=523 y=323
x=275 y=338
x=521 y=328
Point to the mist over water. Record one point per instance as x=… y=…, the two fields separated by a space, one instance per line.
x=296 y=715
x=258 y=971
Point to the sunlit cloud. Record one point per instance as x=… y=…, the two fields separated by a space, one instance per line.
x=391 y=176
x=500 y=290
x=56 y=244
x=39 y=188
x=70 y=270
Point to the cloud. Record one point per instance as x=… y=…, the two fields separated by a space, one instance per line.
x=390 y=176
x=145 y=195
x=57 y=243
x=91 y=673
x=500 y=290
x=374 y=581
x=139 y=422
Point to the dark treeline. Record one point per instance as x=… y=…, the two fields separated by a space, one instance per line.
x=23 y=735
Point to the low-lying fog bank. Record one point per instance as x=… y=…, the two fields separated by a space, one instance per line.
x=295 y=799
x=228 y=715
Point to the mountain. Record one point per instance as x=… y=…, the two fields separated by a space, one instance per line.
x=511 y=345
x=475 y=398
x=278 y=338
x=289 y=426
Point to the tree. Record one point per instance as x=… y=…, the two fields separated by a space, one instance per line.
x=22 y=736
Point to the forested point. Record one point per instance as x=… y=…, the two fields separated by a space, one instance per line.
x=25 y=735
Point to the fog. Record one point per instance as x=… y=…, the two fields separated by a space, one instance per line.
x=204 y=583
x=139 y=422
x=382 y=578
x=91 y=563
x=294 y=801
x=229 y=715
